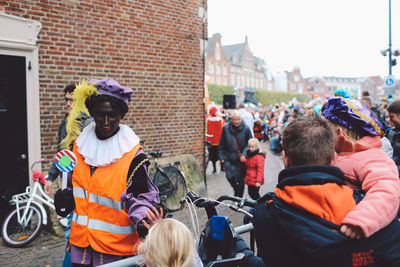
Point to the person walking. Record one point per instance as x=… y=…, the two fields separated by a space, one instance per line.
x=111 y=189
x=214 y=126
x=233 y=144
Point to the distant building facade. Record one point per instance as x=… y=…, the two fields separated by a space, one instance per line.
x=326 y=85
x=234 y=65
x=295 y=81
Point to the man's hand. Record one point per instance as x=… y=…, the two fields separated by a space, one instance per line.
x=352 y=231
x=153 y=216
x=47 y=187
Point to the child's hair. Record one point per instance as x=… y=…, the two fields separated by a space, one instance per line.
x=309 y=141
x=169 y=243
x=255 y=142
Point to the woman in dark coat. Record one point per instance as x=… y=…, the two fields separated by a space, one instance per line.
x=230 y=150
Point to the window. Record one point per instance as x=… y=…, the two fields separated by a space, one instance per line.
x=296 y=78
x=301 y=87
x=217 y=53
x=292 y=86
x=211 y=68
x=218 y=69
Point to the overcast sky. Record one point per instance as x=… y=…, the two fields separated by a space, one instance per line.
x=322 y=37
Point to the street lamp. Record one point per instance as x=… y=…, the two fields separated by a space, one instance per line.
x=389 y=52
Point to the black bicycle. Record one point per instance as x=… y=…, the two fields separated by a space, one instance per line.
x=214 y=253
x=171 y=183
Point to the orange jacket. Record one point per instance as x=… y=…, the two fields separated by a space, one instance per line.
x=100 y=219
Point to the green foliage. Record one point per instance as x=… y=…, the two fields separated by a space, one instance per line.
x=272 y=97
x=217 y=92
x=265 y=97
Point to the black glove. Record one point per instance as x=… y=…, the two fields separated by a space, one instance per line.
x=64 y=202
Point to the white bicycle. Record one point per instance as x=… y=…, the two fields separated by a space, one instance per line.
x=22 y=225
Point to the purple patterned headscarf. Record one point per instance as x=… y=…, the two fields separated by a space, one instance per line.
x=353 y=115
x=111 y=87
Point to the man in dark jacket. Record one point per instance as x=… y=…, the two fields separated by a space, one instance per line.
x=233 y=143
x=394 y=133
x=62 y=133
x=298 y=224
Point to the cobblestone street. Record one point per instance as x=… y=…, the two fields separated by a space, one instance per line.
x=48 y=250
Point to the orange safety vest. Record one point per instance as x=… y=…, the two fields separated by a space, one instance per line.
x=100 y=219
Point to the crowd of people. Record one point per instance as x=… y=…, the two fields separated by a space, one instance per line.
x=336 y=202
x=348 y=149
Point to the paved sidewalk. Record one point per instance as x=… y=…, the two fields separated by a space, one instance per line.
x=48 y=250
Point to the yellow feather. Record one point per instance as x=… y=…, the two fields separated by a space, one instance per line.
x=82 y=91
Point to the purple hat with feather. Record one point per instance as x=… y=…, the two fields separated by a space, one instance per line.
x=353 y=115
x=109 y=86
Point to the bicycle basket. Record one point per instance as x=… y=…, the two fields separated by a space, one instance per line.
x=218 y=240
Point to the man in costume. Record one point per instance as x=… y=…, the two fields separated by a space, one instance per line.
x=111 y=188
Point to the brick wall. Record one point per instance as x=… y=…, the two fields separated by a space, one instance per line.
x=151 y=46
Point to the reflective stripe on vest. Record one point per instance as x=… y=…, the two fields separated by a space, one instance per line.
x=111 y=228
x=79 y=219
x=103 y=226
x=104 y=201
x=79 y=192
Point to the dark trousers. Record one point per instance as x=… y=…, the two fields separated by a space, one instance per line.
x=254 y=192
x=238 y=186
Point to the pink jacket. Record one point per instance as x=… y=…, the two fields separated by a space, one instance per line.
x=370 y=169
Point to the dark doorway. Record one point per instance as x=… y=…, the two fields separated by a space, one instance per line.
x=14 y=174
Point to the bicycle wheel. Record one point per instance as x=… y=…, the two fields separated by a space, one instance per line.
x=178 y=188
x=16 y=235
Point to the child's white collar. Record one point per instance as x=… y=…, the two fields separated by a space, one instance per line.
x=100 y=153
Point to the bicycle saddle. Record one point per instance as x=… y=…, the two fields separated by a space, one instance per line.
x=155 y=154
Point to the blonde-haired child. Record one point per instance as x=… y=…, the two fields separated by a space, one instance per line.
x=254 y=162
x=169 y=243
x=365 y=166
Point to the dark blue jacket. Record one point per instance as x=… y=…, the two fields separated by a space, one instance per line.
x=228 y=151
x=288 y=235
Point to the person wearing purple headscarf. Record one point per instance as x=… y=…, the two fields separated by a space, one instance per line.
x=111 y=188
x=365 y=165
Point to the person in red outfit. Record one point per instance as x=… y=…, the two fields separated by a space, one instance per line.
x=254 y=162
x=214 y=126
x=257 y=129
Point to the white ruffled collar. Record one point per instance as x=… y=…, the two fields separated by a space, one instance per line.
x=100 y=153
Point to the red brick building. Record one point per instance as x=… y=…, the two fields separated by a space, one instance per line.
x=234 y=65
x=154 y=47
x=296 y=82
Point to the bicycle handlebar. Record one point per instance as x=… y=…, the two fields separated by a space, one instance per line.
x=210 y=204
x=202 y=203
x=36 y=162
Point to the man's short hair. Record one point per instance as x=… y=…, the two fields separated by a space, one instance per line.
x=367 y=99
x=394 y=107
x=69 y=88
x=309 y=141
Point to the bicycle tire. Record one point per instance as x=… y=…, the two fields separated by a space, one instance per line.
x=14 y=234
x=178 y=190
